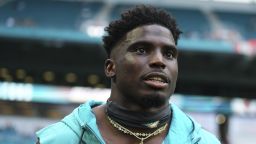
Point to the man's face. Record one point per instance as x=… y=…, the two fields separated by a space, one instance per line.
x=145 y=66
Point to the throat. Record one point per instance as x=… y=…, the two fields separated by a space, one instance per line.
x=138 y=119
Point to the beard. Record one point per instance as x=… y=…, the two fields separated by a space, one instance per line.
x=154 y=100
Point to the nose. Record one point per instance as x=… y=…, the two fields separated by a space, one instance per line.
x=157 y=60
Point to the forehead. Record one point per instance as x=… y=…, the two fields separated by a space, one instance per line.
x=154 y=34
x=150 y=32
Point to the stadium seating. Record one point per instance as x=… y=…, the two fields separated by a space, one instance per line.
x=48 y=14
x=244 y=23
x=191 y=21
x=55 y=20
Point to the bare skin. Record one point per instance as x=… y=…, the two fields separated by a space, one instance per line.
x=143 y=51
x=146 y=50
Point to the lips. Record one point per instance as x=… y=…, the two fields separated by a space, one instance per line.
x=156 y=80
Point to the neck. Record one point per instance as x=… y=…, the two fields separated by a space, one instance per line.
x=133 y=105
x=138 y=119
x=139 y=100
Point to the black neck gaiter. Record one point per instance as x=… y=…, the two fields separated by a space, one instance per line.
x=136 y=119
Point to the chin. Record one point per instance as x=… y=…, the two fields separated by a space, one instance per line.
x=153 y=101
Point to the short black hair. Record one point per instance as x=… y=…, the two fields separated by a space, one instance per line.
x=135 y=17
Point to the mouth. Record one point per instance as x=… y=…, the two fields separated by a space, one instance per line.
x=156 y=80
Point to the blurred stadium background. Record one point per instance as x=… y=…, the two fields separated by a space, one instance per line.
x=51 y=60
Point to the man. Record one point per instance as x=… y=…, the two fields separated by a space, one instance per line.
x=142 y=65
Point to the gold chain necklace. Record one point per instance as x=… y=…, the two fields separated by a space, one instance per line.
x=140 y=136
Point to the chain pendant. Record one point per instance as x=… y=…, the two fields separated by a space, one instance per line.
x=140 y=136
x=141 y=142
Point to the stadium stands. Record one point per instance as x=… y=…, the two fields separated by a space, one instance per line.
x=193 y=22
x=244 y=23
x=55 y=32
x=62 y=20
x=48 y=14
x=117 y=9
x=46 y=52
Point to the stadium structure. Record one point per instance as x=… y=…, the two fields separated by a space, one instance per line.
x=51 y=57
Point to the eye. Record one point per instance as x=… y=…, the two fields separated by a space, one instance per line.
x=170 y=54
x=140 y=50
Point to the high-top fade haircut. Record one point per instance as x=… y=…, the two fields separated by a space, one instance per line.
x=135 y=17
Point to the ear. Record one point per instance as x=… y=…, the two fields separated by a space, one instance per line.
x=110 y=68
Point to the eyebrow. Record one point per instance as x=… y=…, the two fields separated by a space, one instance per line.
x=141 y=43
x=149 y=43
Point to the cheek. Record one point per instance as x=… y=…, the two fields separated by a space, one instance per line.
x=173 y=68
x=130 y=64
x=129 y=59
x=124 y=65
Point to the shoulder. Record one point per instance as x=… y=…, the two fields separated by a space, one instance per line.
x=183 y=125
x=202 y=136
x=69 y=129
x=205 y=137
x=57 y=133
